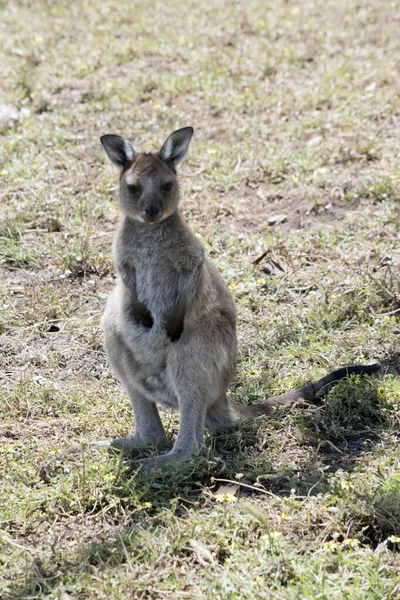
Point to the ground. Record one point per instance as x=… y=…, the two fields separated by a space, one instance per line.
x=293 y=184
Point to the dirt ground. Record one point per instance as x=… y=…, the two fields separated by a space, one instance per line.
x=292 y=182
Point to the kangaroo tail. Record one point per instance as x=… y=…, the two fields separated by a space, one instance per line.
x=312 y=392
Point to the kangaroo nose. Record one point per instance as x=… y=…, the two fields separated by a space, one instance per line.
x=152 y=211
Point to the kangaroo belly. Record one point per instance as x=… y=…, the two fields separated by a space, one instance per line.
x=138 y=354
x=159 y=388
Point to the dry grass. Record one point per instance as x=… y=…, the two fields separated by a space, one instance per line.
x=297 y=115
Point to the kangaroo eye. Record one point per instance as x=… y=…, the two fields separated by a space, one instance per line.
x=134 y=189
x=167 y=187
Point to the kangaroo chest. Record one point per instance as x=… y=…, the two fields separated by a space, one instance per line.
x=157 y=286
x=159 y=267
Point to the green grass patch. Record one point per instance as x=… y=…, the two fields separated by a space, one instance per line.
x=296 y=116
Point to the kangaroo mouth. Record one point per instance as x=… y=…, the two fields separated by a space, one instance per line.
x=152 y=216
x=153 y=220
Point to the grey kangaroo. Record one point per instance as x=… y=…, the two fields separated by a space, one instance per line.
x=170 y=323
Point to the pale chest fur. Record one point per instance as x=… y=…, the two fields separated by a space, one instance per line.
x=158 y=283
x=164 y=261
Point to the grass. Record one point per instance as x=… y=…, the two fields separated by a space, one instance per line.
x=296 y=114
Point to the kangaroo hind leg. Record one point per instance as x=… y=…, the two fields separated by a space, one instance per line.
x=149 y=430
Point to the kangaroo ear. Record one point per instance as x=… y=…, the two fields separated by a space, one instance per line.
x=176 y=146
x=119 y=151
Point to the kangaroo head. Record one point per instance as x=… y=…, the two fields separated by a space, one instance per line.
x=149 y=189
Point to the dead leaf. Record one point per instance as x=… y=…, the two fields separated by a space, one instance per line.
x=257 y=260
x=227 y=493
x=277 y=219
x=315 y=141
x=311 y=436
x=275 y=268
x=203 y=553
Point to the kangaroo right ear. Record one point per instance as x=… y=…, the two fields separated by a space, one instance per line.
x=176 y=146
x=119 y=151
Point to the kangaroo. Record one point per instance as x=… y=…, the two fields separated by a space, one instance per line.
x=170 y=323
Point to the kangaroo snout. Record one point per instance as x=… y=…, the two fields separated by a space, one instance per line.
x=153 y=212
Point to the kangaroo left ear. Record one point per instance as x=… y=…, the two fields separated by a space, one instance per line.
x=176 y=146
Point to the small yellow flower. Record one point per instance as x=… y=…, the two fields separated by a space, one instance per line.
x=345 y=485
x=254 y=373
x=225 y=498
x=331 y=545
x=351 y=542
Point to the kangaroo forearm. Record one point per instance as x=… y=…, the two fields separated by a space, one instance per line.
x=142 y=314
x=187 y=291
x=139 y=310
x=175 y=321
x=128 y=276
